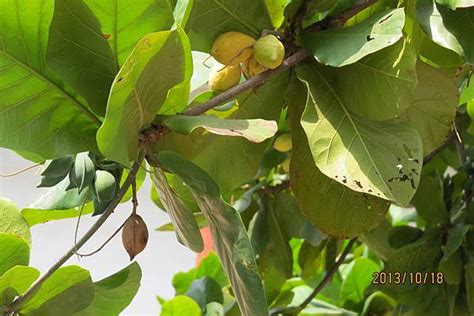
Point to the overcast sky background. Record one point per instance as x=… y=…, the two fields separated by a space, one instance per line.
x=161 y=259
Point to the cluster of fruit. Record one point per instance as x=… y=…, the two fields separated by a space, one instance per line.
x=232 y=49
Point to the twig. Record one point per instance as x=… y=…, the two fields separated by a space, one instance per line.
x=20 y=171
x=134 y=198
x=105 y=242
x=20 y=300
x=255 y=81
x=78 y=222
x=329 y=273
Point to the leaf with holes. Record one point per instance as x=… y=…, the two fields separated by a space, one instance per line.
x=330 y=206
x=383 y=159
x=37 y=115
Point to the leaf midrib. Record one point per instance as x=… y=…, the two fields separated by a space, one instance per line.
x=354 y=126
x=81 y=107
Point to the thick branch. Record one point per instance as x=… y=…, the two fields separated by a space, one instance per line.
x=19 y=301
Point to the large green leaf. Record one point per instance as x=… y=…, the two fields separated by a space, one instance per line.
x=433 y=107
x=114 y=293
x=388 y=85
x=80 y=54
x=276 y=10
x=256 y=130
x=11 y=220
x=358 y=278
x=231 y=161
x=139 y=93
x=15 y=251
x=211 y=18
x=429 y=200
x=19 y=278
x=37 y=114
x=330 y=206
x=448 y=28
x=345 y=46
x=38 y=216
x=181 y=305
x=68 y=289
x=186 y=227
x=383 y=159
x=124 y=23
x=228 y=233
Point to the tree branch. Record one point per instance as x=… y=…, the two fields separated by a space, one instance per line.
x=329 y=273
x=20 y=300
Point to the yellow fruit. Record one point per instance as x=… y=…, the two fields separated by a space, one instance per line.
x=269 y=51
x=232 y=48
x=251 y=68
x=222 y=78
x=283 y=143
x=285 y=165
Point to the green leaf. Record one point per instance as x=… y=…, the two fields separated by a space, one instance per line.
x=326 y=204
x=79 y=53
x=388 y=86
x=346 y=46
x=231 y=161
x=69 y=288
x=433 y=107
x=228 y=233
x=19 y=278
x=453 y=4
x=123 y=24
x=448 y=28
x=169 y=227
x=104 y=185
x=293 y=222
x=400 y=236
x=11 y=220
x=37 y=115
x=83 y=172
x=186 y=227
x=114 y=293
x=58 y=167
x=15 y=251
x=276 y=10
x=452 y=269
x=210 y=266
x=358 y=278
x=205 y=290
x=455 y=238
x=272 y=248
x=38 y=216
x=469 y=279
x=383 y=159
x=254 y=130
x=429 y=200
x=211 y=18
x=378 y=304
x=214 y=309
x=180 y=305
x=138 y=94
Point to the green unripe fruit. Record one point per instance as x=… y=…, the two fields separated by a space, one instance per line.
x=269 y=51
x=232 y=48
x=222 y=78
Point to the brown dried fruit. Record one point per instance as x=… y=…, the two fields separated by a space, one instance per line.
x=134 y=235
